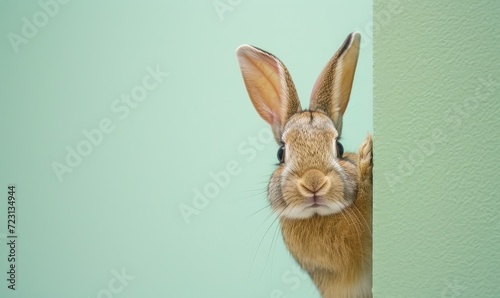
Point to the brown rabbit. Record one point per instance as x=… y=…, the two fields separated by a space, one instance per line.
x=323 y=197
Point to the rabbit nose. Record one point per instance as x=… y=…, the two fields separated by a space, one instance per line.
x=314 y=183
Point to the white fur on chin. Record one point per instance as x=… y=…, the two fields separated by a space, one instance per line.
x=305 y=212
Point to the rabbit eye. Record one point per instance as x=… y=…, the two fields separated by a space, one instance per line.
x=340 y=149
x=281 y=154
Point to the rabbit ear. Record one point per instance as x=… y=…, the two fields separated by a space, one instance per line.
x=333 y=87
x=269 y=86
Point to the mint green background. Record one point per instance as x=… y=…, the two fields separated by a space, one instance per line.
x=437 y=231
x=120 y=207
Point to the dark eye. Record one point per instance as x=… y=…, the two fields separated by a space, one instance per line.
x=281 y=154
x=340 y=150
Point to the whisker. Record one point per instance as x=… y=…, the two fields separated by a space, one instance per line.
x=360 y=215
x=355 y=223
x=250 y=190
x=345 y=217
x=274 y=249
x=268 y=253
x=258 y=248
x=261 y=192
x=250 y=216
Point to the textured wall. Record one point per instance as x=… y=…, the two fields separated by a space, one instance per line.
x=436 y=126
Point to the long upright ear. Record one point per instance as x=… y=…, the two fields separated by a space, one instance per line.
x=269 y=86
x=332 y=89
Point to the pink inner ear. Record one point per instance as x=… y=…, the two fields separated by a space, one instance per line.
x=336 y=78
x=266 y=113
x=262 y=76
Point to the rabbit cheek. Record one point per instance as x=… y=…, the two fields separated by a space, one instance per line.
x=338 y=197
x=275 y=193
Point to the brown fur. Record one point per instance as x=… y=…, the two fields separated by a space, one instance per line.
x=336 y=249
x=324 y=202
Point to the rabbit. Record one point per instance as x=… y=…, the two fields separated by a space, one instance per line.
x=323 y=196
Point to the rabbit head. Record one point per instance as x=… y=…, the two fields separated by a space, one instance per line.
x=313 y=177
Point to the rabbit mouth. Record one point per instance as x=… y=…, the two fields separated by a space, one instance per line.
x=311 y=207
x=315 y=205
x=315 y=202
x=321 y=206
